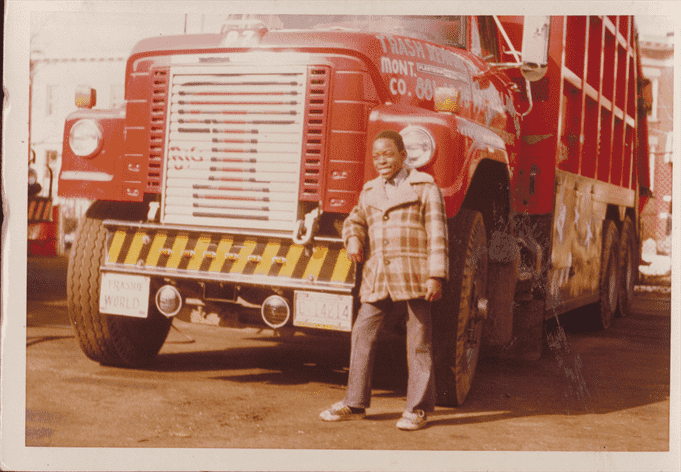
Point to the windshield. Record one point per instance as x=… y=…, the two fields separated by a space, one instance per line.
x=445 y=30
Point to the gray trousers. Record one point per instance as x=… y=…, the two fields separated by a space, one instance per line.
x=421 y=383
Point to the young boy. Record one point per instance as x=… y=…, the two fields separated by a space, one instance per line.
x=400 y=225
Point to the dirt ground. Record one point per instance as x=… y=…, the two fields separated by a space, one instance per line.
x=246 y=394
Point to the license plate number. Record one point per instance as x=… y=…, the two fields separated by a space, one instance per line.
x=323 y=311
x=126 y=295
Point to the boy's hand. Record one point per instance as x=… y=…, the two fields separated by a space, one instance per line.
x=355 y=249
x=433 y=289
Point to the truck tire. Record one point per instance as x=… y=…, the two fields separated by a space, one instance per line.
x=609 y=285
x=628 y=267
x=457 y=322
x=108 y=339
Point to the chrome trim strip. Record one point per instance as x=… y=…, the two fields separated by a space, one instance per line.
x=83 y=175
x=233 y=278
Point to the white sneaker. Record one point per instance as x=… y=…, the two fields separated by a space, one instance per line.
x=341 y=412
x=412 y=421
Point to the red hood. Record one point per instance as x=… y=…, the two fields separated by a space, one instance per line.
x=390 y=59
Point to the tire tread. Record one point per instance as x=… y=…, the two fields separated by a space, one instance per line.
x=468 y=241
x=107 y=339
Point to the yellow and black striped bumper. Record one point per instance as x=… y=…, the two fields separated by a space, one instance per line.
x=239 y=259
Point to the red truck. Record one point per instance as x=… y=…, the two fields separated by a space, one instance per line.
x=226 y=177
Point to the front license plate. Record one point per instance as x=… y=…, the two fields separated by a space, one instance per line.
x=323 y=311
x=126 y=295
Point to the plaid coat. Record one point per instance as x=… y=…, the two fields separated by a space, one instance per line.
x=407 y=238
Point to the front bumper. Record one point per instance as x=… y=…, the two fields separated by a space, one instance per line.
x=248 y=260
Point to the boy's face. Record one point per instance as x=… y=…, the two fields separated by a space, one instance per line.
x=387 y=159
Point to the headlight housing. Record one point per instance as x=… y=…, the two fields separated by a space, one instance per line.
x=85 y=138
x=420 y=146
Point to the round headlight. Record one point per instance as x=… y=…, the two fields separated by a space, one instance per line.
x=85 y=138
x=420 y=146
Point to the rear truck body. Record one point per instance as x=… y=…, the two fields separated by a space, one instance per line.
x=43 y=218
x=224 y=181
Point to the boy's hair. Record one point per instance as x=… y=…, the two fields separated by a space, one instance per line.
x=394 y=136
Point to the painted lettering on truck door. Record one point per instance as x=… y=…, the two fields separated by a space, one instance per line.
x=413 y=69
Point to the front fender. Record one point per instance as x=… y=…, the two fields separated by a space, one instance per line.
x=97 y=177
x=460 y=145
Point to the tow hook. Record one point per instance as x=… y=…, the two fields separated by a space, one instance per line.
x=305 y=228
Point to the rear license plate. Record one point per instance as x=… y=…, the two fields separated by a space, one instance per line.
x=126 y=295
x=323 y=311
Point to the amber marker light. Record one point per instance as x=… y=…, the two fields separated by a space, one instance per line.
x=447 y=99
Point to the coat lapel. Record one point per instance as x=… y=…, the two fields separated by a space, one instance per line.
x=377 y=198
x=406 y=193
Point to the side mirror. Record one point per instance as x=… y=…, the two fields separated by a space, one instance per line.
x=86 y=96
x=535 y=51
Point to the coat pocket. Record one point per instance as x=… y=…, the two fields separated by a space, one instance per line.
x=368 y=277
x=407 y=276
x=418 y=272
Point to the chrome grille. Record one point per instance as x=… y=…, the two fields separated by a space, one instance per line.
x=234 y=146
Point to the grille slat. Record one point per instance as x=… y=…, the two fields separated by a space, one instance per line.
x=235 y=135
x=272 y=111
x=261 y=132
x=216 y=143
x=198 y=176
x=238 y=191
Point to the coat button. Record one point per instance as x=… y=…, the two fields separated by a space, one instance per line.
x=385 y=242
x=386 y=217
x=386 y=262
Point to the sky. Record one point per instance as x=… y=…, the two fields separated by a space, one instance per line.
x=655 y=25
x=73 y=34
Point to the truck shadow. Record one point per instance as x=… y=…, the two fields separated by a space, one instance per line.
x=32 y=340
x=593 y=372
x=625 y=367
x=46 y=278
x=290 y=361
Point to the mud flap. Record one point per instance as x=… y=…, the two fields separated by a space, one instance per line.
x=528 y=331
x=502 y=283
x=502 y=277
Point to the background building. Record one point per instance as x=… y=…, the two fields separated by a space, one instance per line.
x=53 y=84
x=658 y=66
x=69 y=49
